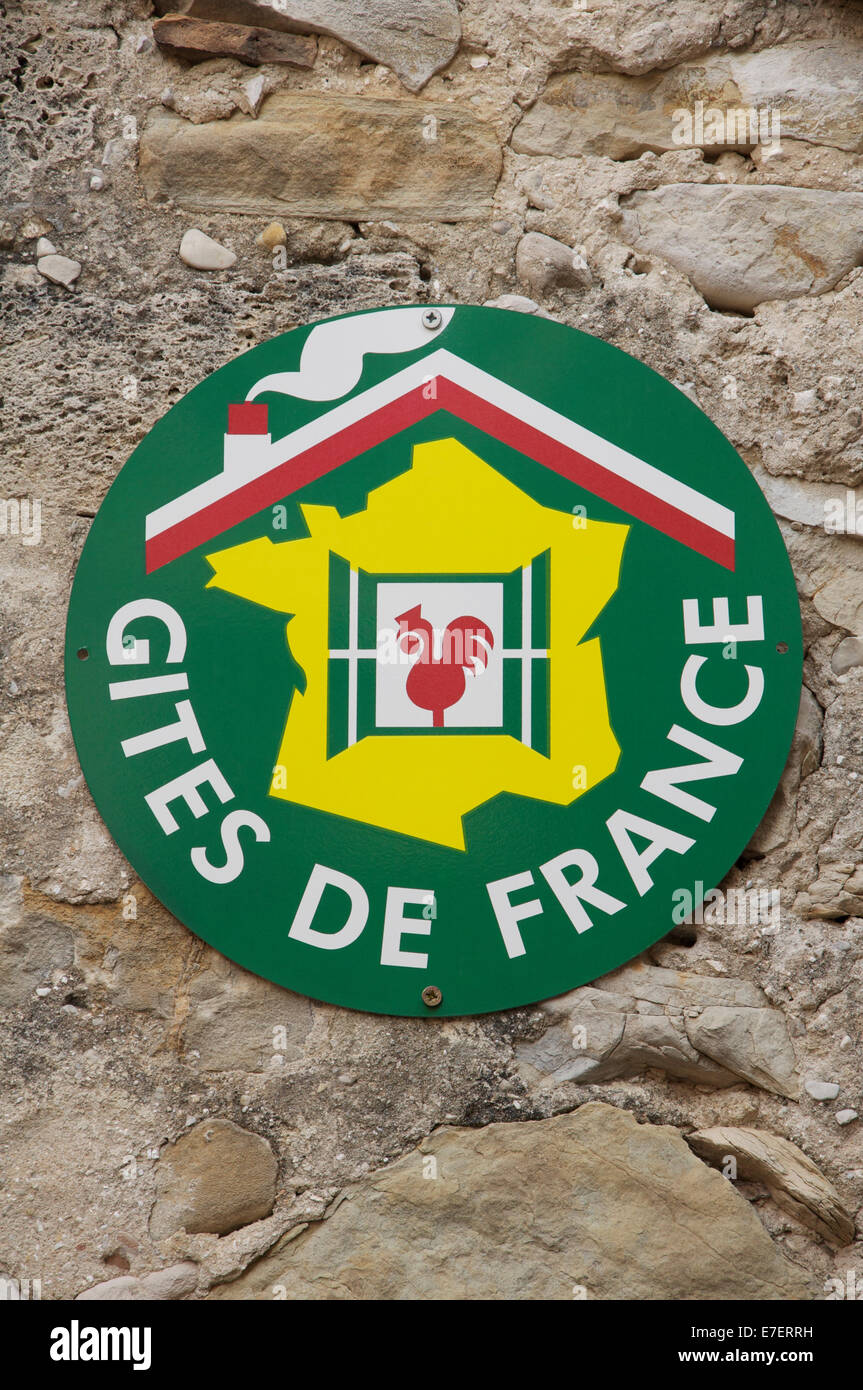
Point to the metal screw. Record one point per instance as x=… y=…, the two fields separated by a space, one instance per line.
x=431 y=996
x=432 y=319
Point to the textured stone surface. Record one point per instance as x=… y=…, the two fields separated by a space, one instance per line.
x=32 y=947
x=797 y=1184
x=779 y=822
x=642 y=1017
x=238 y=1022
x=119 y=1031
x=648 y=34
x=545 y=1206
x=807 y=86
x=413 y=37
x=337 y=157
x=763 y=243
x=596 y=1036
x=215 y=1178
x=754 y=1043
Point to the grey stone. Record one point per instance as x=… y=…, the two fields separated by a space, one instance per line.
x=741 y=246
x=847 y=655
x=754 y=1043
x=821 y=1090
x=597 y=1036
x=32 y=946
x=545 y=264
x=696 y=1027
x=61 y=270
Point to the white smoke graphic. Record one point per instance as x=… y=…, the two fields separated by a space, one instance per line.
x=331 y=363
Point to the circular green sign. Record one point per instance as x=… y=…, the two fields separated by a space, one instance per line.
x=433 y=660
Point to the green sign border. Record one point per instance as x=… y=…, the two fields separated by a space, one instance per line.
x=241 y=675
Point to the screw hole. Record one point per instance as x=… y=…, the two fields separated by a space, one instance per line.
x=83 y=653
x=782 y=648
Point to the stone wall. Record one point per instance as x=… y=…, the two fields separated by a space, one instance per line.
x=175 y=1128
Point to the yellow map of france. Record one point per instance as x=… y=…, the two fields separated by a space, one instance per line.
x=423 y=785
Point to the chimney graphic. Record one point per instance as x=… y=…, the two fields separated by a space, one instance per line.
x=247 y=438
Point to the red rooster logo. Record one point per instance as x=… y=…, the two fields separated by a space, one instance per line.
x=437 y=681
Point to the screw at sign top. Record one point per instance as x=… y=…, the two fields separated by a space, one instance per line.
x=432 y=318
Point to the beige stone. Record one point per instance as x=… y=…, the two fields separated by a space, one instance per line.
x=743 y=245
x=807 y=87
x=215 y=1178
x=316 y=156
x=836 y=892
x=590 y=1199
x=794 y=1181
x=641 y=35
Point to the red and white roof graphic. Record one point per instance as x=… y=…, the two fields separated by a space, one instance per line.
x=259 y=473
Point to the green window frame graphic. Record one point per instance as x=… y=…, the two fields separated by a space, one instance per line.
x=353 y=654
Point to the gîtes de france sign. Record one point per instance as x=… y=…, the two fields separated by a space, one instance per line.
x=416 y=659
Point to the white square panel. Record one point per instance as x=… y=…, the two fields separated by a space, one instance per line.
x=441 y=602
